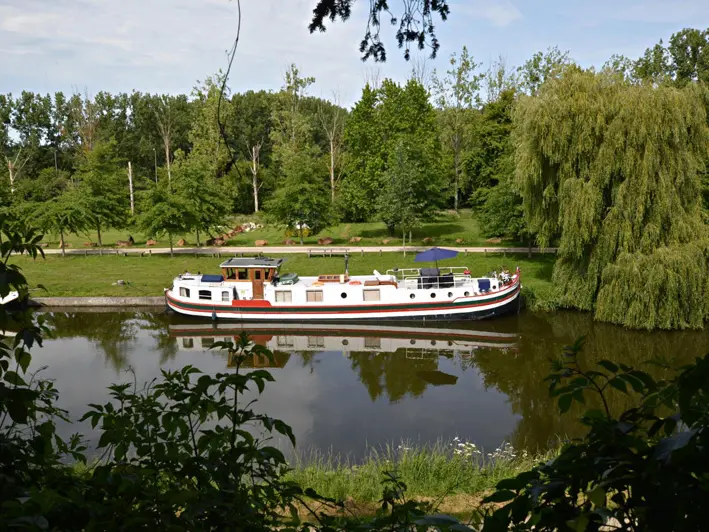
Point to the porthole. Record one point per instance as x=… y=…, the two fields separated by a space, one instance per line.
x=345 y=341
x=343 y=295
x=450 y=343
x=412 y=296
x=450 y=294
x=466 y=294
x=433 y=342
x=412 y=342
x=433 y=295
x=494 y=287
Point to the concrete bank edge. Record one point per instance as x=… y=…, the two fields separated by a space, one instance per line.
x=158 y=301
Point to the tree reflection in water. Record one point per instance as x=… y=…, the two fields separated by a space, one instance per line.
x=407 y=370
x=394 y=374
x=520 y=374
x=112 y=333
x=158 y=325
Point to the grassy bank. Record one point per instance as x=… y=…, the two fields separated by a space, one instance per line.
x=147 y=276
x=445 y=230
x=448 y=472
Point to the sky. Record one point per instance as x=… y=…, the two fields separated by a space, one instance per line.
x=167 y=46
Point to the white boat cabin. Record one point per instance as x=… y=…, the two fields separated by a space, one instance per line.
x=259 y=279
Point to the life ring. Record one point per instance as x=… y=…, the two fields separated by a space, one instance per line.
x=355 y=282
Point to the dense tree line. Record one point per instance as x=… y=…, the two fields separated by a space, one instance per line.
x=614 y=179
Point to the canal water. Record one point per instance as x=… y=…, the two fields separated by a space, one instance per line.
x=345 y=389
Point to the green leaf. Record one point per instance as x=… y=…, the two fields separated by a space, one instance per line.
x=14 y=379
x=18 y=410
x=439 y=520
x=618 y=384
x=565 y=403
x=23 y=358
x=608 y=365
x=579 y=524
x=500 y=496
x=597 y=496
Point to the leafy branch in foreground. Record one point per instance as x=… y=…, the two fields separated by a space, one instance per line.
x=645 y=469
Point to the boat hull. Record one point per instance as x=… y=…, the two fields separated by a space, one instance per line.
x=472 y=308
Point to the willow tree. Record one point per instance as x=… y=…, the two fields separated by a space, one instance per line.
x=612 y=171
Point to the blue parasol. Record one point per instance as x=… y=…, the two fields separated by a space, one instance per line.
x=435 y=254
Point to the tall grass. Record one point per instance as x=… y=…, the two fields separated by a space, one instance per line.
x=438 y=470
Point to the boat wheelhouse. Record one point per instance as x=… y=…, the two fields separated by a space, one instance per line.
x=254 y=289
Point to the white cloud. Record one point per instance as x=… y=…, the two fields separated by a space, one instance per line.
x=499 y=13
x=166 y=45
x=683 y=12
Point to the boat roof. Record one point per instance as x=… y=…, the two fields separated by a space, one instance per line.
x=253 y=262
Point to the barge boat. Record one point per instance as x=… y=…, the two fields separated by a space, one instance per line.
x=254 y=289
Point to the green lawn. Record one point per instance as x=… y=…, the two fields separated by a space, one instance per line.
x=147 y=276
x=447 y=228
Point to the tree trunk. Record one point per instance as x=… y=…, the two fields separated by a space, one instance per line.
x=456 y=163
x=404 y=233
x=130 y=188
x=167 y=162
x=529 y=249
x=332 y=168
x=10 y=170
x=197 y=234
x=169 y=237
x=255 y=150
x=61 y=241
x=98 y=232
x=300 y=233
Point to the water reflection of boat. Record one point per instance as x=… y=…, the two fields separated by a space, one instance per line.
x=417 y=342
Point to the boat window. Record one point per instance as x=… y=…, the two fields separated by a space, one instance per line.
x=285 y=341
x=466 y=294
x=188 y=343
x=413 y=296
x=284 y=296
x=314 y=296
x=257 y=275
x=372 y=342
x=343 y=295
x=243 y=274
x=433 y=295
x=371 y=295
x=184 y=292
x=450 y=294
x=316 y=341
x=207 y=342
x=225 y=296
x=205 y=294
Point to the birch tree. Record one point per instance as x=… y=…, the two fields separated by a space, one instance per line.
x=332 y=121
x=456 y=97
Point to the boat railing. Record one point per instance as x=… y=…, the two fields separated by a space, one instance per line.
x=415 y=278
x=404 y=273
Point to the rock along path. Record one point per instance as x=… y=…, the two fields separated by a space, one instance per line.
x=312 y=251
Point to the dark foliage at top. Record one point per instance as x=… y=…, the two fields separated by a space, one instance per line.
x=416 y=24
